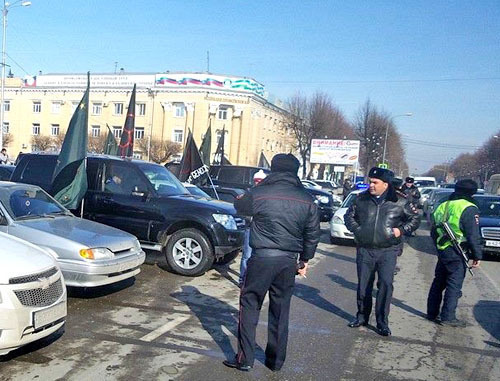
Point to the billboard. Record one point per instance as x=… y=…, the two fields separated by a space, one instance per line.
x=334 y=151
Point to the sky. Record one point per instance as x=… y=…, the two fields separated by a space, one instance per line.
x=439 y=60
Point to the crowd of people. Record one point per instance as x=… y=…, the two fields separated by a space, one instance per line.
x=277 y=249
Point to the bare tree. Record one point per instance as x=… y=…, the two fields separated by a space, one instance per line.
x=159 y=152
x=96 y=143
x=42 y=142
x=7 y=139
x=58 y=140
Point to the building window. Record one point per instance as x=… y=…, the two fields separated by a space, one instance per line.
x=141 y=109
x=222 y=114
x=118 y=108
x=96 y=131
x=6 y=127
x=179 y=110
x=54 y=129
x=137 y=155
x=36 y=128
x=37 y=107
x=117 y=131
x=139 y=133
x=6 y=106
x=56 y=107
x=97 y=108
x=178 y=136
x=74 y=105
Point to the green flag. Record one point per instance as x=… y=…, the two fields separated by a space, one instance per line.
x=110 y=145
x=206 y=145
x=69 y=181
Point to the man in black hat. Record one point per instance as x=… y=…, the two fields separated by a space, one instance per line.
x=411 y=191
x=462 y=216
x=378 y=218
x=284 y=230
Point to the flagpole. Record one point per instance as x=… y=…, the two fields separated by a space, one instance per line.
x=83 y=199
x=223 y=141
x=213 y=186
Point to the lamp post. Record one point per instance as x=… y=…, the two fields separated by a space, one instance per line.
x=5 y=10
x=387 y=131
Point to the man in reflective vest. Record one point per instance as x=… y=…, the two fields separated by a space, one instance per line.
x=462 y=216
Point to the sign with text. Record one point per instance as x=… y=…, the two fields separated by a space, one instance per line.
x=334 y=151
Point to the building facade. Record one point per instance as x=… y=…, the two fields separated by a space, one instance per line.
x=168 y=105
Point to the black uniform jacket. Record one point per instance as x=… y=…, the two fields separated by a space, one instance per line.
x=372 y=221
x=412 y=193
x=285 y=216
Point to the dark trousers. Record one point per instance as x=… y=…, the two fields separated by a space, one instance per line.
x=448 y=277
x=276 y=275
x=382 y=262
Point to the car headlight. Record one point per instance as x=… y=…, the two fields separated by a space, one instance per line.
x=97 y=253
x=225 y=220
x=337 y=220
x=322 y=199
x=137 y=245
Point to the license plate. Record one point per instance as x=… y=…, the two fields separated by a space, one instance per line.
x=49 y=315
x=493 y=243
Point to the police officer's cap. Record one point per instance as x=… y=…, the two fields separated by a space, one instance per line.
x=283 y=162
x=386 y=175
x=466 y=187
x=410 y=180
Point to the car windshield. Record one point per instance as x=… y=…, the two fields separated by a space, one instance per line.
x=29 y=203
x=197 y=192
x=349 y=200
x=164 y=182
x=424 y=183
x=488 y=206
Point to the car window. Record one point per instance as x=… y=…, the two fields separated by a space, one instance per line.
x=488 y=206
x=39 y=170
x=232 y=175
x=162 y=180
x=122 y=179
x=28 y=202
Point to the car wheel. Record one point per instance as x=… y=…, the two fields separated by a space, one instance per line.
x=189 y=252
x=228 y=258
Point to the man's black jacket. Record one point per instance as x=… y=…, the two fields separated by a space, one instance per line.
x=285 y=216
x=412 y=193
x=372 y=221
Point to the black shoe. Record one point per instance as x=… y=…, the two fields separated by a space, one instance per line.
x=357 y=323
x=434 y=319
x=454 y=323
x=272 y=367
x=236 y=365
x=384 y=331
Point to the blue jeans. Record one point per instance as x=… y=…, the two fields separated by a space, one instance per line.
x=247 y=253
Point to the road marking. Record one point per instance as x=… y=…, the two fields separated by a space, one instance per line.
x=164 y=328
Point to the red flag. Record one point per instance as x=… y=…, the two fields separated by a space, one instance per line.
x=126 y=147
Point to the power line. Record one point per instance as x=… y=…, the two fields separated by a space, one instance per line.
x=438 y=145
x=464 y=79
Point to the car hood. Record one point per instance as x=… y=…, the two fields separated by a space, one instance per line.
x=19 y=258
x=489 y=222
x=217 y=206
x=79 y=231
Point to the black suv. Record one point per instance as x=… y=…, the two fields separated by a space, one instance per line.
x=146 y=200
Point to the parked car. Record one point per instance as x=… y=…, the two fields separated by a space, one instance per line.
x=153 y=205
x=311 y=184
x=6 y=172
x=32 y=294
x=89 y=254
x=338 y=231
x=327 y=184
x=489 y=222
x=423 y=181
x=435 y=194
x=424 y=195
x=325 y=202
x=223 y=193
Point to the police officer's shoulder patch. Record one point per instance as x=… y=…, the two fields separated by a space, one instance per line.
x=476 y=217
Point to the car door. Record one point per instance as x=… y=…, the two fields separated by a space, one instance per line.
x=122 y=199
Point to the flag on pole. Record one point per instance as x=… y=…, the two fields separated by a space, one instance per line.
x=110 y=145
x=263 y=163
x=69 y=180
x=191 y=167
x=219 y=156
x=206 y=145
x=126 y=147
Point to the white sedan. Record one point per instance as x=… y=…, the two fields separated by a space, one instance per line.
x=338 y=230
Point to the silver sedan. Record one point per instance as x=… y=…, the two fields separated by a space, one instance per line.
x=89 y=254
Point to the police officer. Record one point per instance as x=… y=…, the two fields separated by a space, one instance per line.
x=411 y=191
x=378 y=218
x=285 y=228
x=462 y=216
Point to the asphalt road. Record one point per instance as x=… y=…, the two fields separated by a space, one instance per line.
x=167 y=327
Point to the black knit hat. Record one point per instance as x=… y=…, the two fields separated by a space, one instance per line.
x=283 y=162
x=397 y=182
x=409 y=180
x=466 y=187
x=386 y=175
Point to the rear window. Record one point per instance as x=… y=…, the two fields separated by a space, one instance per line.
x=232 y=175
x=39 y=170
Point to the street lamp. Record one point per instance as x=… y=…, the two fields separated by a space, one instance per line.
x=5 y=10
x=387 y=131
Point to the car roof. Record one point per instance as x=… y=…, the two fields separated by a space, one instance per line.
x=95 y=156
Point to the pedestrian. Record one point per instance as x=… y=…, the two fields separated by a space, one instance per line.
x=411 y=191
x=247 y=250
x=285 y=229
x=4 y=158
x=347 y=188
x=462 y=216
x=378 y=218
